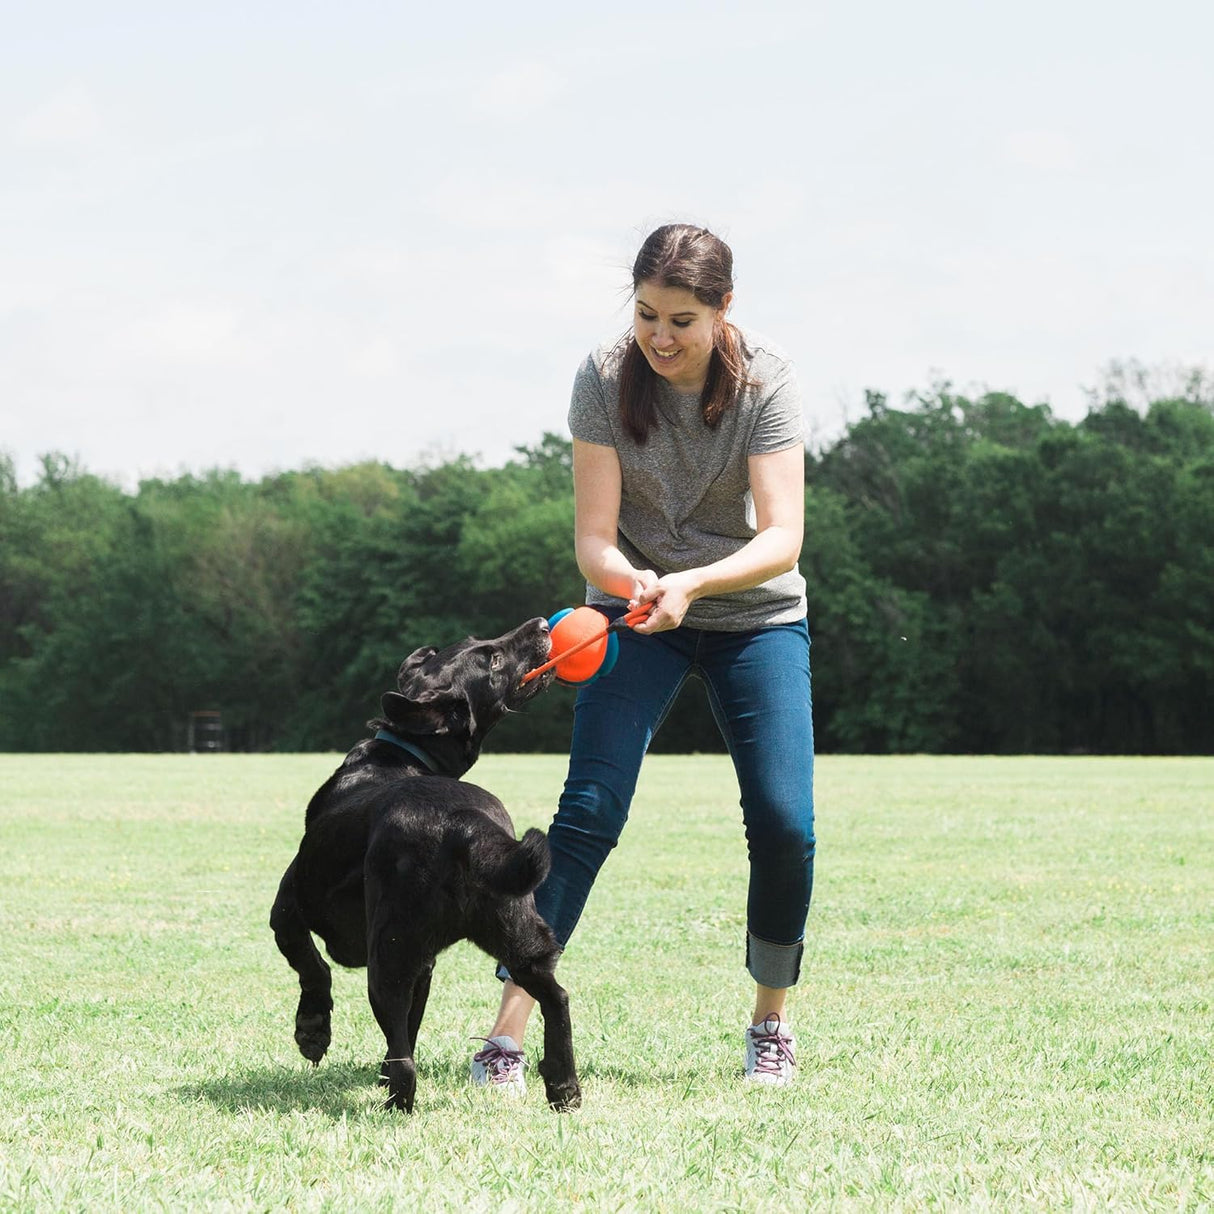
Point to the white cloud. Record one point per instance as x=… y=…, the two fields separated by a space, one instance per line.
x=183 y=332
x=519 y=91
x=373 y=262
x=569 y=260
x=769 y=204
x=69 y=117
x=379 y=358
x=1044 y=150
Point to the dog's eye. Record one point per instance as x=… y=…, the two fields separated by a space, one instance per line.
x=497 y=661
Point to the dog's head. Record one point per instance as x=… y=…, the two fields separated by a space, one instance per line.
x=447 y=700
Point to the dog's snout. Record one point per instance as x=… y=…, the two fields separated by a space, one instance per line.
x=537 y=629
x=545 y=636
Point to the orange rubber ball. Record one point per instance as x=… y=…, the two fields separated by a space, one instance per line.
x=570 y=629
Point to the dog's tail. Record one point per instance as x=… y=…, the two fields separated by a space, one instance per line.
x=521 y=866
x=510 y=867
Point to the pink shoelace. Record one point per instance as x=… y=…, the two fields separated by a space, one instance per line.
x=772 y=1048
x=497 y=1060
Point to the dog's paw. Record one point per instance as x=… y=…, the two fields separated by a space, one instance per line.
x=312 y=1035
x=399 y=1103
x=563 y=1093
x=563 y=1097
x=401 y=1082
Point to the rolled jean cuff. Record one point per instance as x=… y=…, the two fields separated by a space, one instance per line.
x=774 y=965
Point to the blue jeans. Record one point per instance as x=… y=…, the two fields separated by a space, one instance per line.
x=759 y=689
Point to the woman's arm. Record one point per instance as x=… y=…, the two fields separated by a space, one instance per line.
x=777 y=483
x=596 y=502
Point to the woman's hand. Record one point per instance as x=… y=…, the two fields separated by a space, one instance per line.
x=671 y=596
x=643 y=580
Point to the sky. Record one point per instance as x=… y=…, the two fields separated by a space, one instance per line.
x=263 y=236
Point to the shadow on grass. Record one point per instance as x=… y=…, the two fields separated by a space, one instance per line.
x=335 y=1090
x=350 y=1089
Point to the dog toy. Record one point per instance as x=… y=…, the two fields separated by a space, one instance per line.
x=584 y=644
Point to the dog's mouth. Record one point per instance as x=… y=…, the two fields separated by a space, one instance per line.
x=531 y=684
x=528 y=689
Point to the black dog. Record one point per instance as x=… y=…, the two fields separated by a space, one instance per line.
x=400 y=859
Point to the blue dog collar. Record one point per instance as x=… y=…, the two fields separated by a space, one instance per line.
x=416 y=751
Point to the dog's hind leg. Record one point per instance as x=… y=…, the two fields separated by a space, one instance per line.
x=417 y=1009
x=312 y=1018
x=557 y=1065
x=391 y=996
x=398 y=969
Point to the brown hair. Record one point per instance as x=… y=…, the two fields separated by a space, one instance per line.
x=693 y=259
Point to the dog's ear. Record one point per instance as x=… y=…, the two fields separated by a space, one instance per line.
x=431 y=713
x=412 y=664
x=410 y=716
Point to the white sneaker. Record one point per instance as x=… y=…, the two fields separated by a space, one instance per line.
x=770 y=1053
x=499 y=1066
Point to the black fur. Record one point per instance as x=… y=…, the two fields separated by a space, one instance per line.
x=399 y=861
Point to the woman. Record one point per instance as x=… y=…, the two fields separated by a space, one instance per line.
x=688 y=470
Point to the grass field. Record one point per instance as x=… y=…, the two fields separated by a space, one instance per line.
x=1006 y=1002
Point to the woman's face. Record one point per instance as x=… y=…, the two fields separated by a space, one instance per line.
x=674 y=331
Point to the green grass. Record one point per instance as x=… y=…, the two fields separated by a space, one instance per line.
x=1006 y=1001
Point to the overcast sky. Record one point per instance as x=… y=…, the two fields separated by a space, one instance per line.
x=266 y=235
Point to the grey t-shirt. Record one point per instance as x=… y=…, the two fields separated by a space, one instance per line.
x=685 y=499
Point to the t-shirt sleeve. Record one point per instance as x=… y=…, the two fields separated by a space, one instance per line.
x=588 y=420
x=779 y=424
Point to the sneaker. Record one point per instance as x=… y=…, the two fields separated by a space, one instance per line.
x=770 y=1053
x=499 y=1066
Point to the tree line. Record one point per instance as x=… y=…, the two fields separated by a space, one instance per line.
x=983 y=577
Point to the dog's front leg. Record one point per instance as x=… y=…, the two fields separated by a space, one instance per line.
x=557 y=1066
x=312 y=1017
